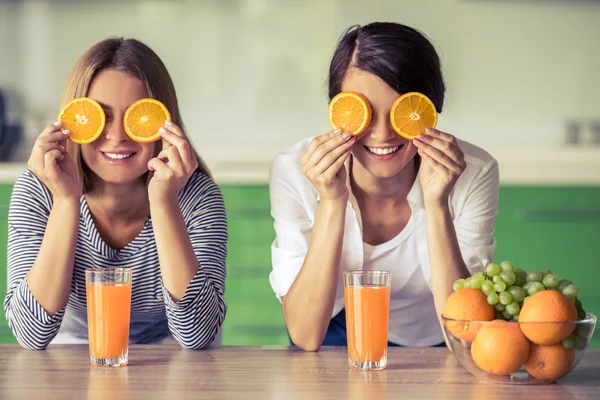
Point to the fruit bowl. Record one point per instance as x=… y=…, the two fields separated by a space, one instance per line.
x=504 y=352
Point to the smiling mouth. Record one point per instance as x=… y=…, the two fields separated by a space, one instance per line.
x=382 y=151
x=118 y=156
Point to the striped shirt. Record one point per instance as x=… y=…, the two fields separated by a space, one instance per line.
x=194 y=321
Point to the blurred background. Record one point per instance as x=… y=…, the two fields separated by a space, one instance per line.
x=522 y=80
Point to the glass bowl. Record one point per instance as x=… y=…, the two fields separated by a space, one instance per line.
x=502 y=352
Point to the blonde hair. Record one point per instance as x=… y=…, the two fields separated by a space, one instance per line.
x=135 y=59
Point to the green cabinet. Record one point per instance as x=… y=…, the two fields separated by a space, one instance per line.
x=555 y=228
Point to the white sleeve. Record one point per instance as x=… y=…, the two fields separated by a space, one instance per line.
x=292 y=225
x=475 y=224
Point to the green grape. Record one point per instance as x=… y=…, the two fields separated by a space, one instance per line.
x=518 y=293
x=459 y=284
x=508 y=277
x=550 y=281
x=525 y=299
x=498 y=314
x=505 y=298
x=507 y=316
x=534 y=276
x=580 y=343
x=571 y=290
x=520 y=277
x=578 y=304
x=535 y=287
x=563 y=284
x=492 y=299
x=478 y=277
x=500 y=307
x=545 y=273
x=513 y=308
x=526 y=285
x=569 y=343
x=500 y=286
x=515 y=318
x=496 y=279
x=492 y=270
x=507 y=266
x=487 y=287
x=475 y=284
x=467 y=284
x=581 y=314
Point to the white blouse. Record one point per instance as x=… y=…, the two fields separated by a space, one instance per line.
x=413 y=321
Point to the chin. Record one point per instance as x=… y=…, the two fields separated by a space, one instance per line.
x=385 y=166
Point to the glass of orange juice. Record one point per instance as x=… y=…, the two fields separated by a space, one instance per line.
x=367 y=298
x=108 y=293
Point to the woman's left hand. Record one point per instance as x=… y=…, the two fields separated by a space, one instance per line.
x=443 y=162
x=172 y=167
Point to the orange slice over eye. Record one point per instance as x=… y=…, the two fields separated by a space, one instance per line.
x=350 y=111
x=411 y=113
x=85 y=119
x=144 y=118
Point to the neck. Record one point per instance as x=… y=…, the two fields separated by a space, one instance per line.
x=119 y=202
x=394 y=188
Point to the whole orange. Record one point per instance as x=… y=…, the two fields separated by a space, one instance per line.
x=543 y=315
x=500 y=348
x=549 y=362
x=467 y=305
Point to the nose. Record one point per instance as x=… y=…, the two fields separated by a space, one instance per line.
x=115 y=131
x=381 y=130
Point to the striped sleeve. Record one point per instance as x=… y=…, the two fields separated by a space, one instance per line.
x=27 y=217
x=196 y=319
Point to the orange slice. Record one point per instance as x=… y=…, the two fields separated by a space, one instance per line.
x=144 y=118
x=85 y=119
x=350 y=111
x=411 y=113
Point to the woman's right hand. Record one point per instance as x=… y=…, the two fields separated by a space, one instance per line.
x=51 y=163
x=323 y=164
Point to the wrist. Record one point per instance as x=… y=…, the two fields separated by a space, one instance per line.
x=436 y=206
x=67 y=202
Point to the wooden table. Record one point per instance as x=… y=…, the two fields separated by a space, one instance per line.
x=279 y=373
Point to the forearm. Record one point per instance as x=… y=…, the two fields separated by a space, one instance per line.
x=445 y=257
x=178 y=262
x=309 y=303
x=49 y=279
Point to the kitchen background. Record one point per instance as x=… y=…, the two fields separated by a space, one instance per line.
x=522 y=78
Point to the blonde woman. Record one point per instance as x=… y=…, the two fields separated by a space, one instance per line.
x=117 y=203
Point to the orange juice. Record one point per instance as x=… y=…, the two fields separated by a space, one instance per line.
x=367 y=315
x=108 y=311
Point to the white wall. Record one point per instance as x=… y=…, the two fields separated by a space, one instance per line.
x=251 y=73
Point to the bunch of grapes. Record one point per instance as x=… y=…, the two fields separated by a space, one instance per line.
x=508 y=288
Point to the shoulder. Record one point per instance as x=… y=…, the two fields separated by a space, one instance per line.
x=201 y=191
x=478 y=160
x=29 y=190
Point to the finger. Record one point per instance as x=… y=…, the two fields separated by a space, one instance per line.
x=54 y=136
x=175 y=162
x=332 y=171
x=437 y=167
x=181 y=142
x=333 y=156
x=446 y=137
x=51 y=168
x=53 y=127
x=446 y=148
x=169 y=125
x=437 y=155
x=160 y=167
x=328 y=146
x=316 y=142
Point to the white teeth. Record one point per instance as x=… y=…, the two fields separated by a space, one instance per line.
x=383 y=152
x=118 y=156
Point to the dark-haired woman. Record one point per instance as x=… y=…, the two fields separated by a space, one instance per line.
x=422 y=209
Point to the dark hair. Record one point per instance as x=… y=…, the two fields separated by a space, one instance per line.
x=401 y=56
